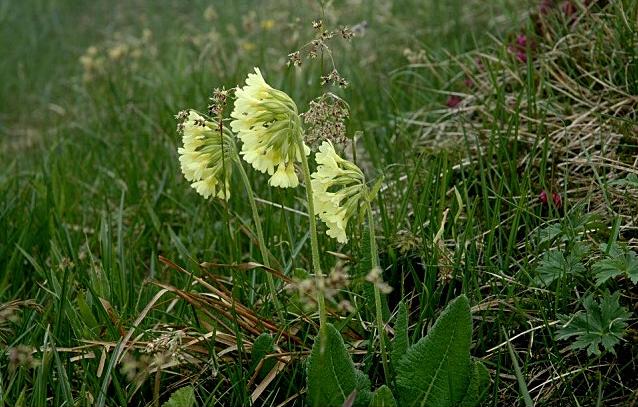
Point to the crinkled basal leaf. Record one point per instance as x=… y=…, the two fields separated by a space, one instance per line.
x=602 y=323
x=184 y=397
x=383 y=397
x=478 y=387
x=436 y=370
x=625 y=264
x=331 y=374
x=364 y=395
x=400 y=343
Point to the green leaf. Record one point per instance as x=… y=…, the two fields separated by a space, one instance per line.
x=602 y=324
x=400 y=343
x=630 y=181
x=436 y=370
x=612 y=250
x=184 y=397
x=383 y=398
x=364 y=395
x=555 y=265
x=263 y=345
x=478 y=387
x=625 y=264
x=549 y=233
x=331 y=374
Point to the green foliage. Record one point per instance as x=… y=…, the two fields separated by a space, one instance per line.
x=330 y=372
x=556 y=264
x=362 y=387
x=263 y=345
x=631 y=181
x=184 y=397
x=436 y=371
x=570 y=229
x=602 y=323
x=478 y=387
x=620 y=262
x=401 y=342
x=383 y=397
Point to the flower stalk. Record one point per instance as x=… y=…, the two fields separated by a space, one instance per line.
x=374 y=260
x=260 y=238
x=314 y=241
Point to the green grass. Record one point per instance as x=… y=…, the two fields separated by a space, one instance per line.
x=91 y=193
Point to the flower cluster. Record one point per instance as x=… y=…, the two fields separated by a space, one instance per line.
x=268 y=124
x=339 y=187
x=206 y=157
x=519 y=47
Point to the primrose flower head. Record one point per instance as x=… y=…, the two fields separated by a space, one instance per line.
x=206 y=157
x=338 y=187
x=268 y=124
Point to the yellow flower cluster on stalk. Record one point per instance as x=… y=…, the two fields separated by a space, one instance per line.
x=339 y=187
x=268 y=124
x=206 y=156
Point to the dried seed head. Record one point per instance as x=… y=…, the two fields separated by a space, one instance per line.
x=218 y=102
x=313 y=48
x=345 y=306
x=166 y=347
x=22 y=356
x=326 y=35
x=326 y=120
x=181 y=118
x=334 y=78
x=346 y=33
x=406 y=241
x=375 y=277
x=294 y=59
x=135 y=369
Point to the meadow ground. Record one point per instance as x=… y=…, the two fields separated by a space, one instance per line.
x=502 y=136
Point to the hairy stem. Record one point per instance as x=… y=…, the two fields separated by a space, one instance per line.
x=314 y=242
x=260 y=238
x=374 y=259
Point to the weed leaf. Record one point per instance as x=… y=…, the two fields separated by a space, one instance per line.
x=602 y=324
x=625 y=264
x=184 y=397
x=556 y=265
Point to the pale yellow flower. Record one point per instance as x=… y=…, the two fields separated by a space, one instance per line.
x=206 y=157
x=268 y=24
x=338 y=187
x=267 y=123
